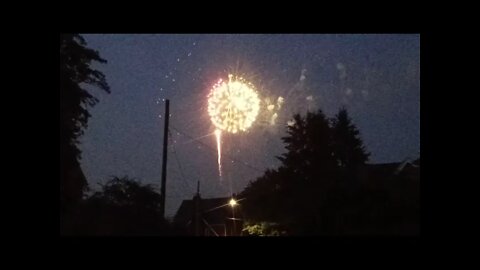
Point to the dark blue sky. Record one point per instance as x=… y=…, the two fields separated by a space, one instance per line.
x=377 y=78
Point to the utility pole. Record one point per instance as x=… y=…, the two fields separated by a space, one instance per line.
x=197 y=210
x=164 y=161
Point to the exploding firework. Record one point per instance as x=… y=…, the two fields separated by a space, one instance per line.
x=233 y=106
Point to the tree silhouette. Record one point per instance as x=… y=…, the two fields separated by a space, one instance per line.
x=130 y=193
x=75 y=74
x=349 y=149
x=124 y=206
x=292 y=194
x=312 y=192
x=309 y=145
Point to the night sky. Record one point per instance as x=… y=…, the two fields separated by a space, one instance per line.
x=376 y=77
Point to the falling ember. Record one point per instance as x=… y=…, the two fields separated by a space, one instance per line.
x=218 y=134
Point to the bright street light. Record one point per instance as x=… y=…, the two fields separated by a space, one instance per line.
x=233 y=202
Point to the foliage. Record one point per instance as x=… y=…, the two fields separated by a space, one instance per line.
x=123 y=207
x=263 y=229
x=75 y=74
x=325 y=187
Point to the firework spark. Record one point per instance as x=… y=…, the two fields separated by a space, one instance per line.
x=218 y=135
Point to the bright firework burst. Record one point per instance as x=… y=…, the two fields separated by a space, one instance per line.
x=233 y=106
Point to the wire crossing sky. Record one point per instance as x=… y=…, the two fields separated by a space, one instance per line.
x=376 y=77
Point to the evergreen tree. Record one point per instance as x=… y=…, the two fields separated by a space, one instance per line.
x=348 y=146
x=306 y=194
x=309 y=145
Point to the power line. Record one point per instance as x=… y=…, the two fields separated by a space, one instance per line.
x=186 y=184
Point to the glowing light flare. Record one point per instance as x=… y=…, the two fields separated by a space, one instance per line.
x=232 y=202
x=233 y=106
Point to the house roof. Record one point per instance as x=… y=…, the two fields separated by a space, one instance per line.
x=214 y=210
x=378 y=174
x=387 y=169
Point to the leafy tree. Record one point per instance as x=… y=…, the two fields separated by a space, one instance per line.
x=123 y=207
x=75 y=74
x=125 y=192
